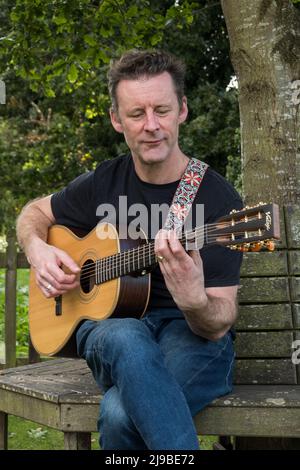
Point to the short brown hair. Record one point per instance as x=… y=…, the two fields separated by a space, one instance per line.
x=137 y=63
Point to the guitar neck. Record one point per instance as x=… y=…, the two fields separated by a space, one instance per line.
x=142 y=259
x=248 y=229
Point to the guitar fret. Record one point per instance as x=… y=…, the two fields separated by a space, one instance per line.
x=114 y=267
x=118 y=266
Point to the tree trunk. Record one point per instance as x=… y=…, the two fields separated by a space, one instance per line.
x=265 y=51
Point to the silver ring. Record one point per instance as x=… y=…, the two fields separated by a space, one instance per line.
x=48 y=287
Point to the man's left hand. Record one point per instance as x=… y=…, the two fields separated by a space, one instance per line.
x=182 y=271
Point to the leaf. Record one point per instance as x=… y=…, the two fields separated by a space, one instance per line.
x=73 y=74
x=37 y=433
x=49 y=92
x=90 y=40
x=58 y=20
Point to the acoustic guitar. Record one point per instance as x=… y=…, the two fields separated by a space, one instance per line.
x=115 y=272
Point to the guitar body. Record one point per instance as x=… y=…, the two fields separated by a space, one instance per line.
x=53 y=322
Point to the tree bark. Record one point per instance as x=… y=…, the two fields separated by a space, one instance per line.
x=265 y=52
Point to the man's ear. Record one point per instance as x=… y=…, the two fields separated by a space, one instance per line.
x=184 y=110
x=115 y=120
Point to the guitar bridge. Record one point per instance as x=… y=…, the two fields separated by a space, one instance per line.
x=58 y=305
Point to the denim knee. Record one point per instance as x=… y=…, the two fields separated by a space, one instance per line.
x=116 y=428
x=127 y=335
x=112 y=417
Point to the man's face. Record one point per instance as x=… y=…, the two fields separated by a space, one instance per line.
x=149 y=116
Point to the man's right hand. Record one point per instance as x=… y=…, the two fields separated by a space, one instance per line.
x=47 y=262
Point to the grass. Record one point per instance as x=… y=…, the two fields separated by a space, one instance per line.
x=26 y=435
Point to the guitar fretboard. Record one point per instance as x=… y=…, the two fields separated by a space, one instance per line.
x=126 y=262
x=131 y=261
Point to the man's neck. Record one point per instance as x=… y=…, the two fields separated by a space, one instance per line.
x=161 y=172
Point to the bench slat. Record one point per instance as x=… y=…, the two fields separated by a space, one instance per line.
x=264 y=263
x=265 y=371
x=265 y=317
x=262 y=290
x=264 y=344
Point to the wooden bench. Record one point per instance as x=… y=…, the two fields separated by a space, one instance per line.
x=63 y=395
x=265 y=402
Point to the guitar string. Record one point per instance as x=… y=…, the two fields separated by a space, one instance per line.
x=145 y=246
x=116 y=264
x=90 y=267
x=86 y=268
x=197 y=232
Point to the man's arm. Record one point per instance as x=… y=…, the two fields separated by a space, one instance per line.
x=210 y=312
x=33 y=222
x=32 y=229
x=215 y=316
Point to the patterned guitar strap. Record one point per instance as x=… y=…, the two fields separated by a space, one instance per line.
x=185 y=194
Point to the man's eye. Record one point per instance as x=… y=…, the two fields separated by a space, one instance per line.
x=136 y=115
x=162 y=111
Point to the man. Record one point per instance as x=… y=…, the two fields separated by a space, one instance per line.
x=157 y=372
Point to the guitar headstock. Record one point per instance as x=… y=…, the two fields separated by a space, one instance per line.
x=249 y=229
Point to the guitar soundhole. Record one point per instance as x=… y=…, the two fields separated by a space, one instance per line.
x=87 y=277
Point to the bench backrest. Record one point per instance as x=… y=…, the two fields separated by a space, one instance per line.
x=269 y=310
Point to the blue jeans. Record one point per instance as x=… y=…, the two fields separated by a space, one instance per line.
x=156 y=374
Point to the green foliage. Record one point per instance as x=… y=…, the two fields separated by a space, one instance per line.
x=22 y=333
x=54 y=58
x=211 y=131
x=71 y=42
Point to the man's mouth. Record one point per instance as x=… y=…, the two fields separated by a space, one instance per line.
x=153 y=142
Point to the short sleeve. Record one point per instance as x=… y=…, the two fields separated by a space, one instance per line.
x=74 y=205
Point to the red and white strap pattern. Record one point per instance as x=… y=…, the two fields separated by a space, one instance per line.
x=185 y=194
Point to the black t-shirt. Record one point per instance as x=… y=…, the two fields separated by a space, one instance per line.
x=76 y=206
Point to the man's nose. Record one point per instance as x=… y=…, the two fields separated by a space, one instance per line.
x=152 y=122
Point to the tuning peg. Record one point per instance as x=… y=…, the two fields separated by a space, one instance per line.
x=256 y=246
x=270 y=245
x=233 y=247
x=233 y=211
x=245 y=247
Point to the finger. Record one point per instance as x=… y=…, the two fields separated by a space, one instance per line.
x=176 y=247
x=47 y=282
x=58 y=275
x=55 y=276
x=67 y=261
x=195 y=255
x=161 y=244
x=50 y=291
